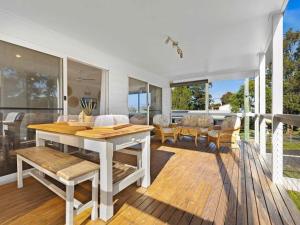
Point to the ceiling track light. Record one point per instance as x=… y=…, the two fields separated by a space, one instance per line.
x=175 y=44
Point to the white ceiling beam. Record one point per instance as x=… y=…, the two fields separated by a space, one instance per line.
x=218 y=75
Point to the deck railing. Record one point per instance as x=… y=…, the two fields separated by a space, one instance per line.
x=271 y=146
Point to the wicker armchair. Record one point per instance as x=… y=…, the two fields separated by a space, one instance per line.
x=228 y=132
x=163 y=128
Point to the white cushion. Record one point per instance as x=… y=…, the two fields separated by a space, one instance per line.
x=11 y=117
x=104 y=120
x=121 y=119
x=203 y=130
x=231 y=122
x=161 y=120
x=213 y=133
x=167 y=130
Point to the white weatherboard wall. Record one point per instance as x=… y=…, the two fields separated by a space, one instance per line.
x=20 y=31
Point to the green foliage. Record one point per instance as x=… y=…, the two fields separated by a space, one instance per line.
x=291 y=84
x=189 y=97
x=181 y=97
x=295 y=196
x=225 y=99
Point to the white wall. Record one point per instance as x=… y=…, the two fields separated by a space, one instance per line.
x=20 y=31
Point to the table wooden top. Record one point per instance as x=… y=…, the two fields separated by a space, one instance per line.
x=96 y=133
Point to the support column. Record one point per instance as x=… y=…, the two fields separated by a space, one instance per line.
x=206 y=97
x=256 y=110
x=277 y=99
x=262 y=103
x=246 y=109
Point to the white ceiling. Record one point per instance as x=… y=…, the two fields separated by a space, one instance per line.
x=217 y=36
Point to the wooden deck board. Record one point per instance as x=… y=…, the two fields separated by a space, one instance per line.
x=188 y=187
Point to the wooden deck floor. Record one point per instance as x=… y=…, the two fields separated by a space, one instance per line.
x=188 y=187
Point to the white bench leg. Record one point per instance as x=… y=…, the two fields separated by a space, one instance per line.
x=19 y=172
x=69 y=204
x=139 y=166
x=95 y=184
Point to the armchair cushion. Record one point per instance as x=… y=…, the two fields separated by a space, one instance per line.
x=167 y=130
x=231 y=122
x=161 y=120
x=213 y=133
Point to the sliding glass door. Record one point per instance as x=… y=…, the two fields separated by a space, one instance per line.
x=155 y=106
x=30 y=92
x=144 y=101
x=138 y=101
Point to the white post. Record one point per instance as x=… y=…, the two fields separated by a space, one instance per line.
x=106 y=182
x=206 y=97
x=277 y=98
x=256 y=109
x=146 y=180
x=246 y=109
x=95 y=183
x=262 y=103
x=65 y=85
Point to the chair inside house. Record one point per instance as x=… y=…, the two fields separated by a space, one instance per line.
x=226 y=133
x=11 y=127
x=163 y=128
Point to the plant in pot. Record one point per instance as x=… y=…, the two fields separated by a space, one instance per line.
x=87 y=107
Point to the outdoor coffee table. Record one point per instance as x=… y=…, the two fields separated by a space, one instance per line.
x=188 y=131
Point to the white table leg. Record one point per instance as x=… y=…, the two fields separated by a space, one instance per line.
x=69 y=204
x=146 y=161
x=19 y=172
x=95 y=184
x=39 y=142
x=106 y=183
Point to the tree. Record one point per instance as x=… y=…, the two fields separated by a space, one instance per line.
x=225 y=99
x=181 y=97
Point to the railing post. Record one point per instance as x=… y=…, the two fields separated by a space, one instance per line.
x=277 y=98
x=206 y=97
x=262 y=103
x=246 y=109
x=256 y=110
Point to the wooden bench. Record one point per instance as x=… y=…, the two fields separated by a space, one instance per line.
x=67 y=169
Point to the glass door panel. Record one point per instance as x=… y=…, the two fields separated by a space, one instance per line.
x=155 y=102
x=84 y=82
x=138 y=101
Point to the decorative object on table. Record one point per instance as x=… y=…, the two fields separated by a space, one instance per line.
x=87 y=105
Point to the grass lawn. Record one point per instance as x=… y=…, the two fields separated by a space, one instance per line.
x=295 y=196
x=292 y=174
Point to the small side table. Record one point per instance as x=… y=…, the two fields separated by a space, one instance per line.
x=188 y=131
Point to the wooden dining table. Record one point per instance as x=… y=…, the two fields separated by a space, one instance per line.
x=105 y=142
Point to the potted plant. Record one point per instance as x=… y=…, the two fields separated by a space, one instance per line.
x=87 y=106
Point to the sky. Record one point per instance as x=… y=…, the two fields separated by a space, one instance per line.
x=291 y=17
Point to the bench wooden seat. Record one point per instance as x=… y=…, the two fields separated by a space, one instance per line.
x=63 y=165
x=67 y=169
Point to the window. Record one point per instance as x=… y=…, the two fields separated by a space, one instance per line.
x=188 y=97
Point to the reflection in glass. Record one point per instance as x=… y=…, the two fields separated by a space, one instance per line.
x=155 y=103
x=138 y=101
x=30 y=92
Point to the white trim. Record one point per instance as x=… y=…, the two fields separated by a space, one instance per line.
x=6 y=179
